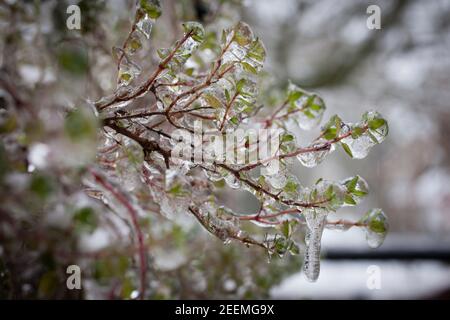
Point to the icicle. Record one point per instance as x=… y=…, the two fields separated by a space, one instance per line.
x=316 y=222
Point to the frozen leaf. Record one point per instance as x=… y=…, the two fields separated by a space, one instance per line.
x=305 y=108
x=332 y=128
x=196 y=29
x=372 y=130
x=376 y=226
x=357 y=188
x=377 y=125
x=152 y=8
x=128 y=71
x=145 y=26
x=315 y=153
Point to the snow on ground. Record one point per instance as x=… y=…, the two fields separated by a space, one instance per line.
x=348 y=279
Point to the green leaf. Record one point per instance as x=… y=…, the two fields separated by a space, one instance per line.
x=294 y=96
x=347 y=149
x=309 y=114
x=249 y=68
x=151 y=7
x=287 y=137
x=351 y=185
x=234 y=120
x=372 y=137
x=348 y=199
x=177 y=190
x=359 y=193
x=330 y=133
x=242 y=34
x=294 y=249
x=316 y=107
x=196 y=29
x=212 y=100
x=291 y=187
x=329 y=193
x=240 y=84
x=357 y=132
x=376 y=123
x=377 y=226
x=227 y=95
x=257 y=51
x=285 y=229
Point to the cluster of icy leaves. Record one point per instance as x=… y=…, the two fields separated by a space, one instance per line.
x=225 y=98
x=146 y=14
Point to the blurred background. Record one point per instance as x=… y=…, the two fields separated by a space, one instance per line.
x=402 y=70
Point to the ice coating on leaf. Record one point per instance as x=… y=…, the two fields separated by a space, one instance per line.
x=219 y=221
x=319 y=150
x=359 y=147
x=133 y=45
x=196 y=29
x=331 y=130
x=277 y=180
x=305 y=108
x=146 y=15
x=291 y=188
x=145 y=26
x=281 y=245
x=316 y=219
x=152 y=8
x=356 y=188
x=243 y=48
x=377 y=126
x=328 y=194
x=128 y=70
x=372 y=130
x=194 y=33
x=376 y=227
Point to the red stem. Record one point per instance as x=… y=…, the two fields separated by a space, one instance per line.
x=134 y=219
